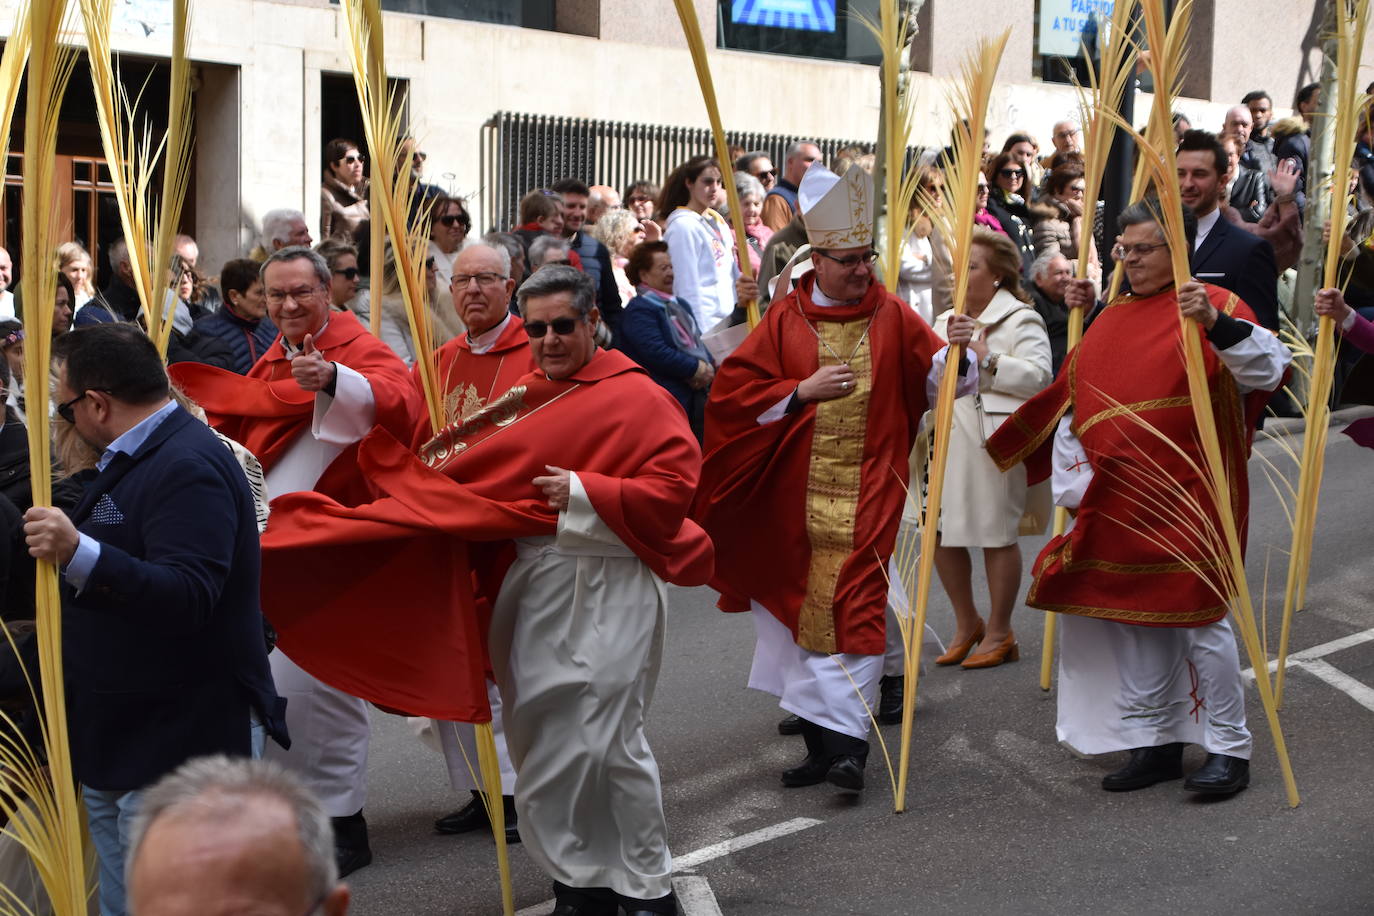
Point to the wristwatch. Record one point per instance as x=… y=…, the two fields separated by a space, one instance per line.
x=989 y=363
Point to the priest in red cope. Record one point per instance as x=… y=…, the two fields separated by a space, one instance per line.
x=809 y=430
x=589 y=466
x=301 y=409
x=1148 y=661
x=473 y=369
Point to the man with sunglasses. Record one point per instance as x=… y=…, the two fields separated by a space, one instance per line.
x=598 y=520
x=163 y=645
x=809 y=430
x=474 y=369
x=760 y=166
x=1148 y=660
x=301 y=410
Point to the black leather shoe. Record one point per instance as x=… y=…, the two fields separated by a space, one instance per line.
x=350 y=859
x=470 y=817
x=1147 y=766
x=811 y=772
x=351 y=848
x=890 y=700
x=847 y=773
x=792 y=725
x=1220 y=775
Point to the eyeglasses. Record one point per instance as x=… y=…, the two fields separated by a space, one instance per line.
x=1065 y=134
x=1012 y=173
x=982 y=189
x=462 y=280
x=302 y=294
x=65 y=411
x=429 y=263
x=349 y=273
x=451 y=219
x=640 y=200
x=561 y=326
x=354 y=158
x=1121 y=252
x=766 y=173
x=852 y=261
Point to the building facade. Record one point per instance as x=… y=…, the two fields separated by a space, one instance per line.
x=272 y=84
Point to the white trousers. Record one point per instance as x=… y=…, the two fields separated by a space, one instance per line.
x=458 y=741
x=836 y=691
x=1124 y=686
x=329 y=734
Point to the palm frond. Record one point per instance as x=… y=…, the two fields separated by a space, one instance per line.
x=394 y=191
x=46 y=818
x=150 y=225
x=1157 y=155
x=1352 y=21
x=970 y=97
x=691 y=29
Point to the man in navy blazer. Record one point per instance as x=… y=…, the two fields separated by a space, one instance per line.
x=1223 y=254
x=163 y=643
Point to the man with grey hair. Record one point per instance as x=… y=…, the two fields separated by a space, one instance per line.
x=781 y=203
x=577 y=624
x=549 y=249
x=218 y=837
x=118 y=301
x=1050 y=275
x=601 y=198
x=1144 y=608
x=301 y=409
x=473 y=369
x=284 y=228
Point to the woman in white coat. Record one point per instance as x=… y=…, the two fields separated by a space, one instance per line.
x=700 y=243
x=984 y=507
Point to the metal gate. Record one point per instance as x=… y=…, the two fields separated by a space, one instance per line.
x=521 y=152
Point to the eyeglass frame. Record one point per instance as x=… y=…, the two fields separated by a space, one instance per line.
x=868 y=259
x=350 y=273
x=1120 y=251
x=543 y=327
x=279 y=298
x=461 y=281
x=64 y=409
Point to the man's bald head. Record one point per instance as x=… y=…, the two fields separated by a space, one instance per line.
x=1238 y=123
x=221 y=836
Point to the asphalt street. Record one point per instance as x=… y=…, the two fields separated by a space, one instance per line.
x=1000 y=818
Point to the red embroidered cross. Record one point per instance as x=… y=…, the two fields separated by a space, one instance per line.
x=1198 y=702
x=1081 y=462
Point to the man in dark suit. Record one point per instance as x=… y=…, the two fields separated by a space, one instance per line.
x=164 y=652
x=1223 y=254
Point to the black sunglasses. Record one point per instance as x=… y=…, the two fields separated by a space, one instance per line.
x=64 y=410
x=350 y=273
x=1012 y=173
x=561 y=326
x=450 y=219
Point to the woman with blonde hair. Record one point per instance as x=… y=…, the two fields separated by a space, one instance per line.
x=983 y=507
x=620 y=231
x=74 y=261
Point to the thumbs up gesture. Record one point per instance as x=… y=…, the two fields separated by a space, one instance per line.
x=310 y=369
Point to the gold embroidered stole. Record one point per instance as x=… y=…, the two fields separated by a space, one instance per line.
x=832 y=486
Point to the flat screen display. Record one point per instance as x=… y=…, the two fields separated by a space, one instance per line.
x=801 y=15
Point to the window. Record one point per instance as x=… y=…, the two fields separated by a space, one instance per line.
x=531 y=14
x=826 y=29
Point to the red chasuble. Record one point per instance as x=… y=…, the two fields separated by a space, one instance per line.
x=1133 y=555
x=469 y=381
x=375 y=607
x=804 y=511
x=265 y=411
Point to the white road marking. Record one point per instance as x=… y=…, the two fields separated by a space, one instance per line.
x=1309 y=660
x=1357 y=691
x=735 y=844
x=694 y=894
x=695 y=897
x=1326 y=648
